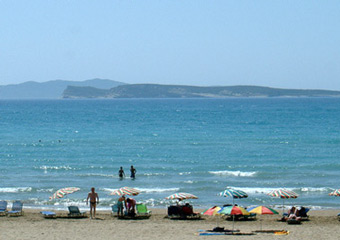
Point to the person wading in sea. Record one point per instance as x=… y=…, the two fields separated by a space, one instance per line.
x=94 y=199
x=121 y=173
x=133 y=172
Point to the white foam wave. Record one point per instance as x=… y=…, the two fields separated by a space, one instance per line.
x=45 y=168
x=233 y=173
x=312 y=189
x=184 y=173
x=15 y=189
x=146 y=190
x=154 y=174
x=152 y=190
x=97 y=175
x=189 y=182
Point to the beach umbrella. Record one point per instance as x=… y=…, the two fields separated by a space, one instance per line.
x=284 y=194
x=213 y=211
x=63 y=192
x=232 y=211
x=335 y=193
x=181 y=196
x=262 y=210
x=233 y=193
x=125 y=191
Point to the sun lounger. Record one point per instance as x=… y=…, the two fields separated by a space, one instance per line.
x=3 y=208
x=182 y=212
x=48 y=214
x=16 y=209
x=114 y=210
x=75 y=213
x=142 y=210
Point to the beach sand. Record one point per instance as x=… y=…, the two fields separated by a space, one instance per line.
x=323 y=224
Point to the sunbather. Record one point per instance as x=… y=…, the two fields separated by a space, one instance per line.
x=293 y=213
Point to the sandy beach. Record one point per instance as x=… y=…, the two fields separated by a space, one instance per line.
x=323 y=224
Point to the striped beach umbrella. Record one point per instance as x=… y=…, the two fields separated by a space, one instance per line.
x=213 y=211
x=262 y=210
x=232 y=211
x=284 y=194
x=181 y=196
x=233 y=193
x=335 y=193
x=125 y=191
x=63 y=192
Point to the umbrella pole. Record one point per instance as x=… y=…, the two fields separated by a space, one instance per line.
x=233 y=222
x=283 y=207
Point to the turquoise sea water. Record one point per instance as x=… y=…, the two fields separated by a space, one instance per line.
x=198 y=146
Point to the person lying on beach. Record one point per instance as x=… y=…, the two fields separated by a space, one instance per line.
x=131 y=206
x=121 y=203
x=94 y=199
x=293 y=213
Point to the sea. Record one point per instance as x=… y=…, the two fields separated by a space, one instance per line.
x=197 y=146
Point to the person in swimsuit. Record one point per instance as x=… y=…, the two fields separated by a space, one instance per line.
x=131 y=206
x=133 y=172
x=94 y=199
x=121 y=173
x=121 y=203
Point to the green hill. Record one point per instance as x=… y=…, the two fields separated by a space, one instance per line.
x=51 y=89
x=181 y=91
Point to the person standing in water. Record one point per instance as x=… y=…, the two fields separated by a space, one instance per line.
x=121 y=173
x=94 y=199
x=133 y=172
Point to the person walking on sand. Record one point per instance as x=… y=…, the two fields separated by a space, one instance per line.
x=133 y=172
x=94 y=199
x=121 y=173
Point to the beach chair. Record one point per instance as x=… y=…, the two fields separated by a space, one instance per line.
x=114 y=210
x=188 y=212
x=142 y=210
x=49 y=214
x=75 y=213
x=3 y=208
x=16 y=209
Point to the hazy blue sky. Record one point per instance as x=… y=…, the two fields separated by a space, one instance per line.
x=291 y=44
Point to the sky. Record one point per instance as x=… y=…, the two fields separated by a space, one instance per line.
x=285 y=44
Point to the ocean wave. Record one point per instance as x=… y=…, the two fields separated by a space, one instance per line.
x=153 y=190
x=313 y=189
x=97 y=175
x=45 y=168
x=233 y=173
x=146 y=190
x=184 y=173
x=15 y=189
x=154 y=174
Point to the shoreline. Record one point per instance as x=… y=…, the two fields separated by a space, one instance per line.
x=322 y=224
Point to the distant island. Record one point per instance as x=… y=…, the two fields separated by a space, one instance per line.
x=181 y=91
x=51 y=89
x=109 y=89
